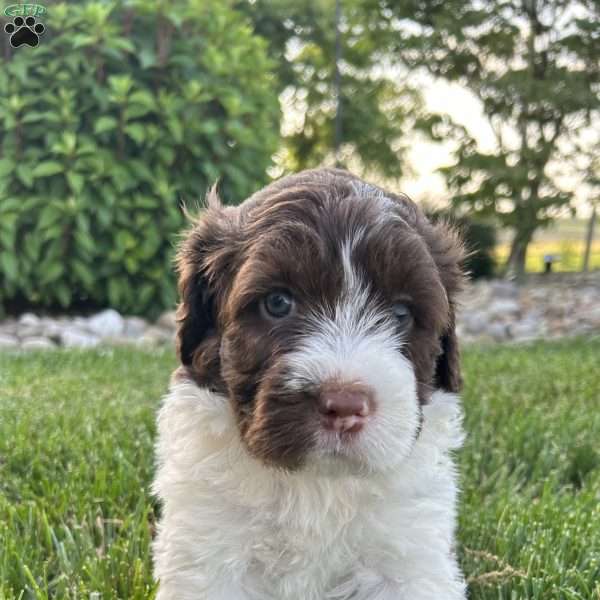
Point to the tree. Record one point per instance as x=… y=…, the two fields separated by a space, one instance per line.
x=593 y=181
x=377 y=107
x=533 y=64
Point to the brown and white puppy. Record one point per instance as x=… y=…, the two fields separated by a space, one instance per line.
x=304 y=449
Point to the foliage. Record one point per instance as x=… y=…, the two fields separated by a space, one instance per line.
x=377 y=105
x=479 y=236
x=76 y=514
x=123 y=112
x=480 y=239
x=534 y=66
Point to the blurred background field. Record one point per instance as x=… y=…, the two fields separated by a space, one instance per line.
x=565 y=238
x=124 y=112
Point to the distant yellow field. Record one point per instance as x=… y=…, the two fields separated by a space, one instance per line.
x=570 y=251
x=564 y=237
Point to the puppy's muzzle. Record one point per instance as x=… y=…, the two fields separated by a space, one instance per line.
x=345 y=407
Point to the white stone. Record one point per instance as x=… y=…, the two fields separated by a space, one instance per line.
x=108 y=323
x=28 y=331
x=29 y=319
x=51 y=328
x=528 y=329
x=72 y=337
x=474 y=322
x=134 y=327
x=497 y=331
x=154 y=336
x=504 y=289
x=591 y=314
x=37 y=343
x=167 y=320
x=8 y=341
x=503 y=307
x=9 y=327
x=79 y=323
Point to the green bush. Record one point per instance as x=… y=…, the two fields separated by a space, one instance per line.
x=124 y=111
x=480 y=241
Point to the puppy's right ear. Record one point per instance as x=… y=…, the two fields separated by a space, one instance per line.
x=204 y=263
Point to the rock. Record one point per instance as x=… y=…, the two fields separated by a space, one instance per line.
x=498 y=331
x=30 y=325
x=106 y=324
x=503 y=307
x=78 y=322
x=134 y=327
x=51 y=328
x=72 y=337
x=29 y=319
x=474 y=322
x=489 y=311
x=9 y=327
x=120 y=340
x=8 y=341
x=506 y=290
x=528 y=329
x=37 y=343
x=591 y=314
x=167 y=320
x=156 y=336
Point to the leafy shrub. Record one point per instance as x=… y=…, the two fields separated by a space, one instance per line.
x=123 y=112
x=480 y=240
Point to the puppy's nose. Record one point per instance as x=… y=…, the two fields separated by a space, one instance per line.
x=345 y=407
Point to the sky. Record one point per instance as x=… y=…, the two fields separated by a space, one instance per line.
x=425 y=157
x=423 y=184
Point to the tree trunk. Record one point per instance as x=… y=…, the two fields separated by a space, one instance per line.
x=515 y=265
x=589 y=239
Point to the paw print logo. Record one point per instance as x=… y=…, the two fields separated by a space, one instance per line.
x=24 y=31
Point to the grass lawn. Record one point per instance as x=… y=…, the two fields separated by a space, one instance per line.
x=76 y=457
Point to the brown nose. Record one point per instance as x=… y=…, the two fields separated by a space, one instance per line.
x=345 y=407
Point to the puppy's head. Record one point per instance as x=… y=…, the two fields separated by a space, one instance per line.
x=323 y=309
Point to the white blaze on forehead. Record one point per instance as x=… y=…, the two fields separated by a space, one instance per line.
x=357 y=342
x=366 y=190
x=353 y=285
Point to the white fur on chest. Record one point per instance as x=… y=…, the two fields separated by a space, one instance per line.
x=233 y=529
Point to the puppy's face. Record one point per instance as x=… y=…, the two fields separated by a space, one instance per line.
x=323 y=309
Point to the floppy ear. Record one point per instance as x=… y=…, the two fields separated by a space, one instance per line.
x=195 y=313
x=448 y=252
x=447 y=370
x=204 y=264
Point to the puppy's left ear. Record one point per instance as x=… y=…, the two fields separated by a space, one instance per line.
x=448 y=252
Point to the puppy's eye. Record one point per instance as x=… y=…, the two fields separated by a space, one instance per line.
x=402 y=313
x=278 y=304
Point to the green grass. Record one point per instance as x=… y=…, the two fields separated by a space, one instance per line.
x=76 y=459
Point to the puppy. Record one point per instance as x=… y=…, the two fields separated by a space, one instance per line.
x=305 y=446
